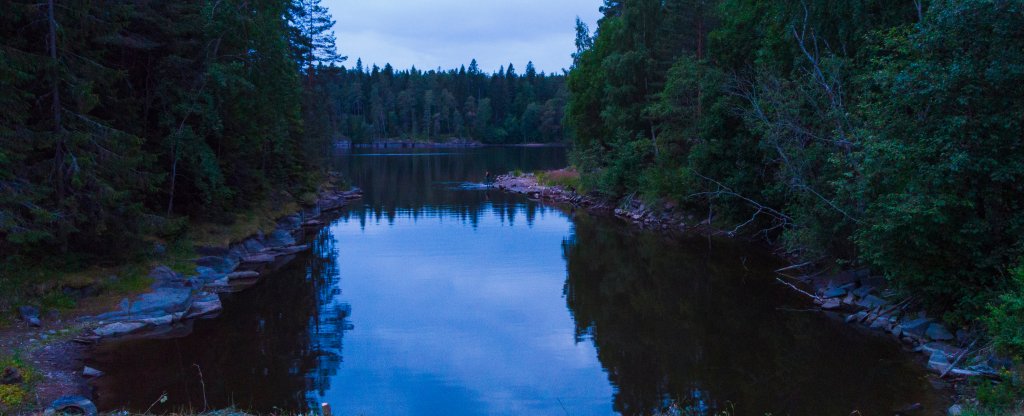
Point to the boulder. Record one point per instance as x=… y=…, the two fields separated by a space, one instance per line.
x=118 y=329
x=955 y=410
x=916 y=327
x=205 y=305
x=835 y=292
x=938 y=361
x=163 y=276
x=74 y=405
x=939 y=332
x=253 y=246
x=863 y=291
x=831 y=304
x=91 y=372
x=258 y=258
x=160 y=301
x=30 y=314
x=249 y=274
x=857 y=317
x=871 y=301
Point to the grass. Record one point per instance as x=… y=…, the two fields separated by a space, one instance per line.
x=567 y=178
x=239 y=226
x=17 y=397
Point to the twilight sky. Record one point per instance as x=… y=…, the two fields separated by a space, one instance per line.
x=448 y=33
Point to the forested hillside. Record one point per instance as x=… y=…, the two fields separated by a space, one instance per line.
x=856 y=133
x=364 y=104
x=120 y=118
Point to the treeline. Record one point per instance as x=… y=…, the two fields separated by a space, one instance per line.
x=120 y=118
x=362 y=105
x=885 y=134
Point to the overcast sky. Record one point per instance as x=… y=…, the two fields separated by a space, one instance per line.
x=449 y=33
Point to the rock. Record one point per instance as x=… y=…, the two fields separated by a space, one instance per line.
x=75 y=405
x=30 y=314
x=939 y=332
x=916 y=327
x=91 y=372
x=160 y=301
x=863 y=291
x=871 y=301
x=253 y=246
x=955 y=410
x=243 y=275
x=164 y=276
x=932 y=347
x=881 y=323
x=11 y=376
x=835 y=292
x=221 y=264
x=831 y=304
x=118 y=328
x=938 y=361
x=258 y=258
x=856 y=317
x=896 y=330
x=205 y=305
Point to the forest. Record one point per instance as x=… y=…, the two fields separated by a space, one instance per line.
x=363 y=105
x=123 y=121
x=853 y=134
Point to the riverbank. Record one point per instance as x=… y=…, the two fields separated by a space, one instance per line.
x=43 y=351
x=858 y=297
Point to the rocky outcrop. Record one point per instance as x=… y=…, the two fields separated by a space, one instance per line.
x=177 y=299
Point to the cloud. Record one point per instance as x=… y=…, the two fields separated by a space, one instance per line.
x=449 y=33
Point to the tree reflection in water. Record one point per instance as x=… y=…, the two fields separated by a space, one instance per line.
x=695 y=327
x=274 y=347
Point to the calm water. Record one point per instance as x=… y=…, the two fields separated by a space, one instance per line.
x=434 y=297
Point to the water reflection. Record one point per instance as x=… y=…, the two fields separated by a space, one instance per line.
x=434 y=295
x=697 y=327
x=275 y=346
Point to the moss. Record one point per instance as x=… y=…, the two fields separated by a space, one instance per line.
x=12 y=396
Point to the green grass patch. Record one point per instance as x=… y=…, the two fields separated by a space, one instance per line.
x=16 y=397
x=565 y=178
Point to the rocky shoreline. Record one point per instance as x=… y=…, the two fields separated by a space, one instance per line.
x=172 y=305
x=856 y=297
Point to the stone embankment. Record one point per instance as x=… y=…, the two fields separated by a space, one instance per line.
x=857 y=296
x=176 y=300
x=168 y=310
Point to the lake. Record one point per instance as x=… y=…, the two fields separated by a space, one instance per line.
x=436 y=296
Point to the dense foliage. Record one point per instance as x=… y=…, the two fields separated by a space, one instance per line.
x=367 y=104
x=119 y=117
x=885 y=134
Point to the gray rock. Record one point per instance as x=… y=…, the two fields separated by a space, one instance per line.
x=220 y=264
x=75 y=405
x=253 y=246
x=881 y=323
x=160 y=301
x=871 y=301
x=205 y=305
x=955 y=410
x=163 y=275
x=856 y=317
x=91 y=372
x=249 y=274
x=863 y=291
x=939 y=332
x=835 y=292
x=258 y=258
x=917 y=326
x=30 y=314
x=118 y=329
x=938 y=361
x=831 y=304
